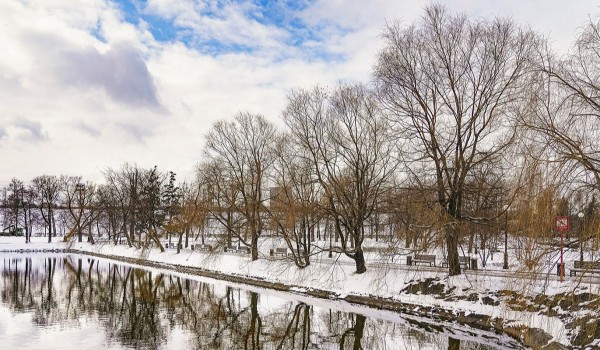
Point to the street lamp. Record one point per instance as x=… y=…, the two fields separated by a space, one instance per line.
x=581 y=216
x=505 y=266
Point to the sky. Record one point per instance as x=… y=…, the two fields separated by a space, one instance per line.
x=91 y=84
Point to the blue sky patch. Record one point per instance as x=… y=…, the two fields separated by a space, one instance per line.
x=282 y=15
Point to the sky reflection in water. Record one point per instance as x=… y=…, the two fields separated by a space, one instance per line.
x=73 y=302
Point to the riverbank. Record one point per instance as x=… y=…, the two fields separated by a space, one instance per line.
x=538 y=310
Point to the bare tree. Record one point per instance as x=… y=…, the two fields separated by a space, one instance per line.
x=344 y=136
x=121 y=194
x=565 y=108
x=221 y=198
x=294 y=200
x=411 y=216
x=243 y=147
x=452 y=87
x=17 y=205
x=48 y=189
x=79 y=199
x=193 y=210
x=137 y=195
x=110 y=217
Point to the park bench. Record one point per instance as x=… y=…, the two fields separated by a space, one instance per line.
x=585 y=266
x=280 y=251
x=231 y=249
x=423 y=259
x=464 y=261
x=202 y=247
x=205 y=248
x=234 y=249
x=173 y=246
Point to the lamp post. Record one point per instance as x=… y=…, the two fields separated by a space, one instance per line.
x=505 y=266
x=581 y=216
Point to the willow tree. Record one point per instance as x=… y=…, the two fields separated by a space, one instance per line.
x=294 y=200
x=565 y=115
x=452 y=87
x=345 y=138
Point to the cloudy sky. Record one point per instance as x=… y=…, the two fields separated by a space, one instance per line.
x=91 y=84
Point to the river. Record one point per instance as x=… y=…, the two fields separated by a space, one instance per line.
x=62 y=301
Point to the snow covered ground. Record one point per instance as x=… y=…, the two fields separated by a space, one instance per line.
x=474 y=292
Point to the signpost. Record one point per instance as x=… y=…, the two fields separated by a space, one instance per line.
x=561 y=224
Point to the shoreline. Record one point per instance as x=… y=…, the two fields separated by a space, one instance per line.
x=534 y=338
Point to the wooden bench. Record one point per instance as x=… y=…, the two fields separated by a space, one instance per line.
x=202 y=247
x=173 y=246
x=205 y=248
x=231 y=249
x=241 y=250
x=585 y=267
x=463 y=261
x=280 y=251
x=423 y=259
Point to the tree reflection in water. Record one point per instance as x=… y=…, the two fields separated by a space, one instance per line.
x=142 y=309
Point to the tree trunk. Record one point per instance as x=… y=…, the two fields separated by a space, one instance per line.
x=252 y=339
x=358 y=332
x=452 y=245
x=187 y=237
x=26 y=225
x=453 y=344
x=90 y=235
x=179 y=242
x=50 y=224
x=254 y=246
x=359 y=259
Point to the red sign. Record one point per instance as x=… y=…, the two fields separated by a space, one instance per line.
x=561 y=223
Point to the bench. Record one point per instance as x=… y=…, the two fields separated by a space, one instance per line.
x=234 y=249
x=463 y=261
x=423 y=259
x=280 y=251
x=173 y=246
x=585 y=266
x=231 y=249
x=202 y=247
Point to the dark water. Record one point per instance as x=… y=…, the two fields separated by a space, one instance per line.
x=74 y=302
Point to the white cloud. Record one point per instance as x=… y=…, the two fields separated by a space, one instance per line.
x=120 y=72
x=82 y=89
x=227 y=23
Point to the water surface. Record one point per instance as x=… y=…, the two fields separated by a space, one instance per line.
x=55 y=301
